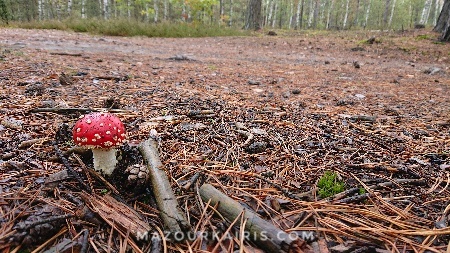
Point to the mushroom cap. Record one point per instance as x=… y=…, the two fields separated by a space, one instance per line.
x=99 y=130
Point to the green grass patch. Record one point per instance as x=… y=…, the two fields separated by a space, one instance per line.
x=423 y=37
x=125 y=27
x=329 y=185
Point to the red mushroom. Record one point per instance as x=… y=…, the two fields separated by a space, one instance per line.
x=101 y=132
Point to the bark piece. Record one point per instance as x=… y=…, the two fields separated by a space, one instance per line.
x=260 y=231
x=174 y=220
x=118 y=214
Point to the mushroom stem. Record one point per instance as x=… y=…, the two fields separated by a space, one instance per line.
x=104 y=160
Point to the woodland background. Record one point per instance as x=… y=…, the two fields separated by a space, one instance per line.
x=276 y=14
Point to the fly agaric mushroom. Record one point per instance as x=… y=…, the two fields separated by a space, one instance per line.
x=101 y=132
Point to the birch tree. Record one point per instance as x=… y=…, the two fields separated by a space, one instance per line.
x=366 y=19
x=392 y=13
x=425 y=12
x=344 y=24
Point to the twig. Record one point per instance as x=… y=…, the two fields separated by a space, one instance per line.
x=28 y=143
x=68 y=54
x=84 y=241
x=71 y=171
x=174 y=220
x=96 y=175
x=191 y=181
x=262 y=232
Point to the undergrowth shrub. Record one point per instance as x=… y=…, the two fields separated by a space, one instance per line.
x=125 y=27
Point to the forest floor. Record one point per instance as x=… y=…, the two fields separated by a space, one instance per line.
x=260 y=118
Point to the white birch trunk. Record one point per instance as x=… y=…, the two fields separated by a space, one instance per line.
x=83 y=8
x=316 y=12
x=129 y=9
x=311 y=13
x=166 y=9
x=69 y=7
x=40 y=9
x=297 y=21
x=344 y=24
x=231 y=13
x=274 y=16
x=329 y=14
x=269 y=15
x=392 y=13
x=291 y=14
x=147 y=17
x=156 y=9
x=58 y=10
x=425 y=12
x=105 y=9
x=437 y=9
x=367 y=13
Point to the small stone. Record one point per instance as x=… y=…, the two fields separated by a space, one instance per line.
x=441 y=224
x=254 y=82
x=432 y=70
x=360 y=96
x=295 y=91
x=257 y=147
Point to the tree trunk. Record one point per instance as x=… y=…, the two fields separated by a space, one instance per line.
x=253 y=20
x=367 y=14
x=69 y=7
x=230 y=23
x=269 y=15
x=344 y=24
x=358 y=7
x=83 y=8
x=156 y=9
x=274 y=17
x=327 y=25
x=291 y=14
x=436 y=11
x=392 y=13
x=105 y=9
x=443 y=23
x=311 y=13
x=316 y=13
x=298 y=16
x=386 y=13
x=166 y=9
x=425 y=12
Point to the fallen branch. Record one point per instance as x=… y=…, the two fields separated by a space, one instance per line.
x=29 y=143
x=74 y=110
x=68 y=54
x=261 y=232
x=174 y=220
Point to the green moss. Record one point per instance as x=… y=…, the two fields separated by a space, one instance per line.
x=329 y=185
x=362 y=191
x=423 y=37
